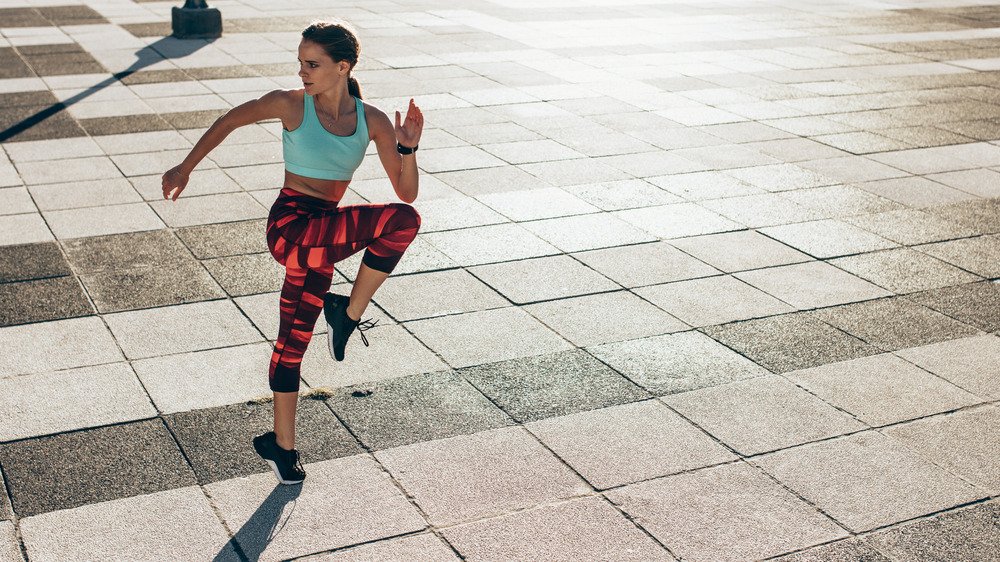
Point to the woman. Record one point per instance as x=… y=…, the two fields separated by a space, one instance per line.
x=326 y=131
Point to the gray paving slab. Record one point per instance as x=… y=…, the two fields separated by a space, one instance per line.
x=713 y=300
x=587 y=528
x=811 y=285
x=867 y=480
x=827 y=238
x=415 y=409
x=169 y=522
x=475 y=476
x=10 y=548
x=676 y=362
x=542 y=386
x=847 y=550
x=731 y=512
x=343 y=502
x=968 y=363
x=588 y=232
x=629 y=443
x=46 y=403
x=979 y=215
x=976 y=255
x=419 y=548
x=536 y=204
x=677 y=221
x=32 y=261
x=904 y=270
x=739 y=251
x=646 y=264
x=764 y=210
x=132 y=289
x=42 y=300
x=965 y=534
x=911 y=226
x=518 y=281
x=246 y=274
x=490 y=244
x=225 y=239
x=90 y=466
x=442 y=293
x=976 y=304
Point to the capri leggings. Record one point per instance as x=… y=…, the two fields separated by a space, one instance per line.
x=308 y=236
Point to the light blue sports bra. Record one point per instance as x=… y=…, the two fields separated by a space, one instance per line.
x=313 y=152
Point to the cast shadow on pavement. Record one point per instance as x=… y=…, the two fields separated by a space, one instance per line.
x=163 y=49
x=262 y=527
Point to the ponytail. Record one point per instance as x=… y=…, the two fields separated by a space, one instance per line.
x=353 y=88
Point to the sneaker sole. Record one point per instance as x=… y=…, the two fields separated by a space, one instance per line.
x=277 y=474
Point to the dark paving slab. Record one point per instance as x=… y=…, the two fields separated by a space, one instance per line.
x=94 y=465
x=32 y=261
x=155 y=77
x=964 y=535
x=225 y=239
x=60 y=59
x=192 y=119
x=155 y=29
x=544 y=386
x=71 y=15
x=849 y=550
x=981 y=216
x=37 y=122
x=132 y=289
x=894 y=323
x=153 y=248
x=979 y=129
x=414 y=409
x=19 y=99
x=13 y=66
x=790 y=342
x=6 y=510
x=217 y=441
x=218 y=72
x=23 y=17
x=976 y=304
x=248 y=274
x=41 y=300
x=125 y=124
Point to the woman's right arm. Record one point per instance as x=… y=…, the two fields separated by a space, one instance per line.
x=269 y=106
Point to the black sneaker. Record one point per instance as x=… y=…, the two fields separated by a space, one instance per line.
x=340 y=325
x=284 y=463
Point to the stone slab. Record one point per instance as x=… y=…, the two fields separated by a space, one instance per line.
x=441 y=293
x=740 y=251
x=566 y=277
x=76 y=342
x=969 y=363
x=965 y=534
x=32 y=261
x=713 y=300
x=646 y=264
x=811 y=285
x=10 y=548
x=416 y=548
x=42 y=300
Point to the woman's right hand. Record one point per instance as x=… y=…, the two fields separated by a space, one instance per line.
x=175 y=180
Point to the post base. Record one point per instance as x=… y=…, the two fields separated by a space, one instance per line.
x=192 y=23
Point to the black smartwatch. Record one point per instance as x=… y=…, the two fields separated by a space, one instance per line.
x=405 y=149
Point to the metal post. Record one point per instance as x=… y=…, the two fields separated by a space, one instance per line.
x=196 y=20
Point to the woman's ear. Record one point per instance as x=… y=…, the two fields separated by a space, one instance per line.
x=345 y=67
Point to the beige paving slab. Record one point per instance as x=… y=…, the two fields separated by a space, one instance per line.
x=168 y=523
x=646 y=264
x=207 y=209
x=536 y=204
x=178 y=329
x=342 y=502
x=828 y=238
x=485 y=474
x=566 y=277
x=741 y=250
x=489 y=244
x=442 y=293
x=76 y=342
x=677 y=221
x=46 y=403
x=487 y=336
x=205 y=379
x=812 y=285
x=713 y=300
x=624 y=444
x=70 y=169
x=585 y=529
x=969 y=363
x=882 y=389
x=867 y=480
x=100 y=221
x=966 y=442
x=417 y=548
x=16 y=200
x=56 y=196
x=26 y=228
x=731 y=512
x=10 y=550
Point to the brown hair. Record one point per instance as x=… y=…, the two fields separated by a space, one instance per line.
x=340 y=42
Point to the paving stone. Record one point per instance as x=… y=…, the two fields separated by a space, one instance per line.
x=99 y=221
x=489 y=244
x=442 y=293
x=90 y=466
x=169 y=522
x=977 y=255
x=623 y=444
x=976 y=304
x=622 y=194
x=518 y=280
x=588 y=232
x=492 y=180
x=739 y=251
x=217 y=441
x=41 y=300
x=481 y=475
x=10 y=549
x=699 y=186
x=911 y=226
x=69 y=343
x=757 y=211
x=756 y=415
x=731 y=512
x=32 y=261
x=225 y=239
x=915 y=191
x=132 y=289
x=713 y=300
x=343 y=502
x=46 y=403
x=676 y=363
x=604 y=318
x=766 y=341
x=247 y=274
x=984 y=183
x=27 y=228
x=455 y=212
x=841 y=201
x=811 y=285
x=574 y=530
x=645 y=264
x=417 y=548
x=866 y=480
x=968 y=363
x=894 y=323
x=962 y=535
x=827 y=238
x=6 y=511
x=882 y=389
x=181 y=328
x=536 y=204
x=847 y=550
x=543 y=386
x=677 y=221
x=904 y=270
x=487 y=336
x=415 y=409
x=209 y=209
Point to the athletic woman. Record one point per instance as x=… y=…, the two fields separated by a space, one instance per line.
x=326 y=130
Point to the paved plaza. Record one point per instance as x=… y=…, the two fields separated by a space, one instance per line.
x=697 y=280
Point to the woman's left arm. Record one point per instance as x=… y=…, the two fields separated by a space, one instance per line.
x=401 y=168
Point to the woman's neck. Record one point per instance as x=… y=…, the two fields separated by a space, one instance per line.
x=335 y=102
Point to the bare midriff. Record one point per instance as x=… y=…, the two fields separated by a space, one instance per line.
x=327 y=190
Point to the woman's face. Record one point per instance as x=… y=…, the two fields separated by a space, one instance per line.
x=317 y=70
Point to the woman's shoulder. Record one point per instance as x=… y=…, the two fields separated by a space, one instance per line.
x=374 y=115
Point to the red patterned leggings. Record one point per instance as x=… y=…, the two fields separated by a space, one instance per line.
x=308 y=236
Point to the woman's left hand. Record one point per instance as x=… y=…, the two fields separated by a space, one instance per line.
x=408 y=131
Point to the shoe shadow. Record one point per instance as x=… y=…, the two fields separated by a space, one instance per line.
x=263 y=526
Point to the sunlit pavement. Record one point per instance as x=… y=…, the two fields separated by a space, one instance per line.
x=696 y=280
